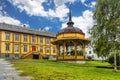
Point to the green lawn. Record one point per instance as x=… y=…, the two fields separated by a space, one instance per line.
x=53 y=70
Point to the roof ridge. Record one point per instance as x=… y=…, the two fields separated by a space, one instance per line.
x=10 y=27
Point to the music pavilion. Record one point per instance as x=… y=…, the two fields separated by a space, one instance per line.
x=70 y=43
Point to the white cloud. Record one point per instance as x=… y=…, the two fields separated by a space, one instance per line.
x=32 y=7
x=84 y=2
x=35 y=8
x=93 y=4
x=9 y=20
x=83 y=22
x=5 y=18
x=59 y=12
x=47 y=28
x=90 y=5
x=61 y=2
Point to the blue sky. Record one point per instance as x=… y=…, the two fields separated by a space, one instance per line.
x=50 y=15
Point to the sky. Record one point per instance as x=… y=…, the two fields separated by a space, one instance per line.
x=48 y=15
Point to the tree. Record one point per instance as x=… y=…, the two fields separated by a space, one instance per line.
x=106 y=31
x=102 y=48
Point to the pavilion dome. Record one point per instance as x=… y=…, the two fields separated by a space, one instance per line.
x=71 y=30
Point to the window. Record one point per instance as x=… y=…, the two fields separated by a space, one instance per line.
x=47 y=40
x=47 y=49
x=16 y=37
x=7 y=36
x=33 y=39
x=89 y=52
x=7 y=46
x=16 y=47
x=25 y=48
x=41 y=49
x=54 y=50
x=41 y=39
x=25 y=38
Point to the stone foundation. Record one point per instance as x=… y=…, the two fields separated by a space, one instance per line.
x=10 y=56
x=78 y=62
x=52 y=57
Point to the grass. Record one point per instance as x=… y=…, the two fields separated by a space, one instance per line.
x=53 y=70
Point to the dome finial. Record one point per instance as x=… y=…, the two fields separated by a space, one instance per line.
x=70 y=23
x=70 y=18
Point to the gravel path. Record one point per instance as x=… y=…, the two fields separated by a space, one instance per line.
x=7 y=72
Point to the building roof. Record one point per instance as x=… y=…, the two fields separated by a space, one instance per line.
x=20 y=29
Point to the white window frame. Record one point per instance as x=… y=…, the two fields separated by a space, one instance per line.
x=7 y=48
x=7 y=36
x=16 y=47
x=25 y=48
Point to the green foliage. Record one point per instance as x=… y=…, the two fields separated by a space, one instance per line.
x=111 y=59
x=106 y=32
x=54 y=70
x=61 y=54
x=89 y=57
x=102 y=47
x=79 y=52
x=72 y=52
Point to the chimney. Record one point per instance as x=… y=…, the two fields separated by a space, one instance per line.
x=24 y=26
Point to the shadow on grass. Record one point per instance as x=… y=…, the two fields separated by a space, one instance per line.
x=108 y=67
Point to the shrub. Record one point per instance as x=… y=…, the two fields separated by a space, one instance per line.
x=45 y=57
x=72 y=52
x=80 y=52
x=111 y=59
x=89 y=57
x=61 y=54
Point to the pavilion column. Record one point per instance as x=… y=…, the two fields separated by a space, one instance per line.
x=58 y=50
x=64 y=49
x=75 y=45
x=83 y=49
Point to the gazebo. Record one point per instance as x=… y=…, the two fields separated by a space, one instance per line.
x=70 y=43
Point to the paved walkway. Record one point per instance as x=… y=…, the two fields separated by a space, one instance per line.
x=7 y=72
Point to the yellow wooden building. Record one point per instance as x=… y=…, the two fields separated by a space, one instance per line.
x=22 y=42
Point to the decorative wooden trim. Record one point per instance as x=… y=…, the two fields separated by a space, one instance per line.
x=70 y=59
x=69 y=33
x=58 y=52
x=64 y=49
x=75 y=45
